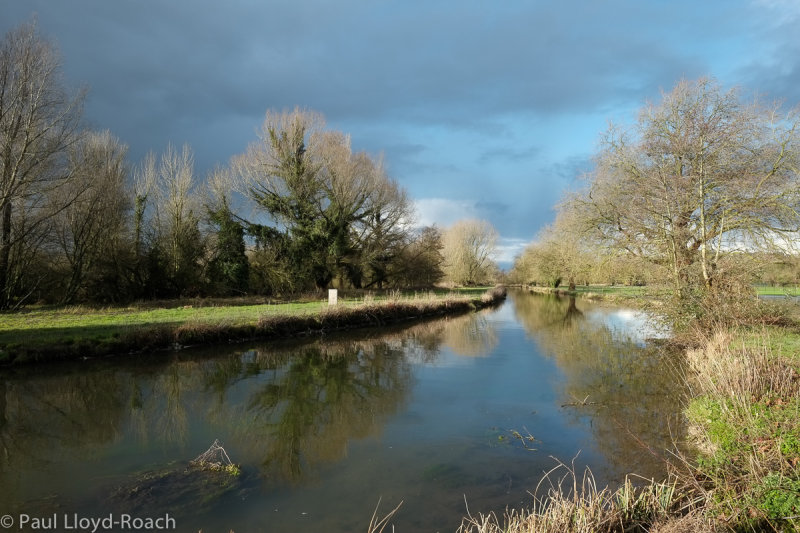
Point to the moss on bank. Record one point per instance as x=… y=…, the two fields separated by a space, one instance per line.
x=78 y=333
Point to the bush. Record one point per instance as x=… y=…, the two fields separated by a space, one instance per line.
x=731 y=302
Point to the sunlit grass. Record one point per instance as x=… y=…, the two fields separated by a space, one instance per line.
x=83 y=329
x=611 y=289
x=49 y=325
x=745 y=419
x=575 y=504
x=764 y=290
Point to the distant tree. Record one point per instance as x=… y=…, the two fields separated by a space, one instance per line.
x=176 y=246
x=420 y=262
x=468 y=247
x=698 y=175
x=563 y=255
x=562 y=252
x=93 y=226
x=38 y=122
x=144 y=183
x=539 y=265
x=229 y=268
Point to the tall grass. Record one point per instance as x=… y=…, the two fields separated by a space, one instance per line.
x=744 y=413
x=745 y=421
x=725 y=366
x=574 y=503
x=377 y=525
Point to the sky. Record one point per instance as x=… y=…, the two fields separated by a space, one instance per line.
x=480 y=109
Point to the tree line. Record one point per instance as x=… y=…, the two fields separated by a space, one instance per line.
x=701 y=192
x=298 y=210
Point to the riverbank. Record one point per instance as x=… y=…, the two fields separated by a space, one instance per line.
x=635 y=296
x=76 y=333
x=743 y=413
x=745 y=423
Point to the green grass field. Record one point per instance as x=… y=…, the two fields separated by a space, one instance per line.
x=44 y=326
x=764 y=290
x=80 y=324
x=621 y=290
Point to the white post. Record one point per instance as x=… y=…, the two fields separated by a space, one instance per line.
x=333 y=296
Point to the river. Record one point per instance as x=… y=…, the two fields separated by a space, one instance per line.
x=463 y=411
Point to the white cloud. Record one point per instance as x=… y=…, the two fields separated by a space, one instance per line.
x=508 y=249
x=443 y=212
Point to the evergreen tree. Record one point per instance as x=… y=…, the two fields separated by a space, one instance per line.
x=229 y=269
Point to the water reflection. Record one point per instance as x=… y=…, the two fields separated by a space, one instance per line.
x=310 y=405
x=420 y=413
x=42 y=420
x=285 y=407
x=628 y=391
x=470 y=336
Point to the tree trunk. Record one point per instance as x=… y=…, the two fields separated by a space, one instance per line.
x=707 y=274
x=3 y=423
x=5 y=253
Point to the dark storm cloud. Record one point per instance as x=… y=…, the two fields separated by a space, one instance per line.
x=491 y=208
x=466 y=99
x=776 y=72
x=155 y=64
x=569 y=170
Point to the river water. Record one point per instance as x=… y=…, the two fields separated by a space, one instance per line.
x=464 y=411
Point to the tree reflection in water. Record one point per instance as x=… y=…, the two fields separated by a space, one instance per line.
x=44 y=419
x=287 y=411
x=50 y=420
x=287 y=407
x=312 y=403
x=323 y=395
x=628 y=393
x=471 y=335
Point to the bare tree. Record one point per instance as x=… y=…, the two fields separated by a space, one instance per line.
x=38 y=121
x=334 y=213
x=176 y=209
x=177 y=215
x=144 y=183
x=367 y=211
x=94 y=222
x=420 y=261
x=699 y=174
x=468 y=247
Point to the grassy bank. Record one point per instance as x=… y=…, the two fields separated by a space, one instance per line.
x=615 y=293
x=766 y=290
x=745 y=421
x=624 y=292
x=76 y=332
x=743 y=409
